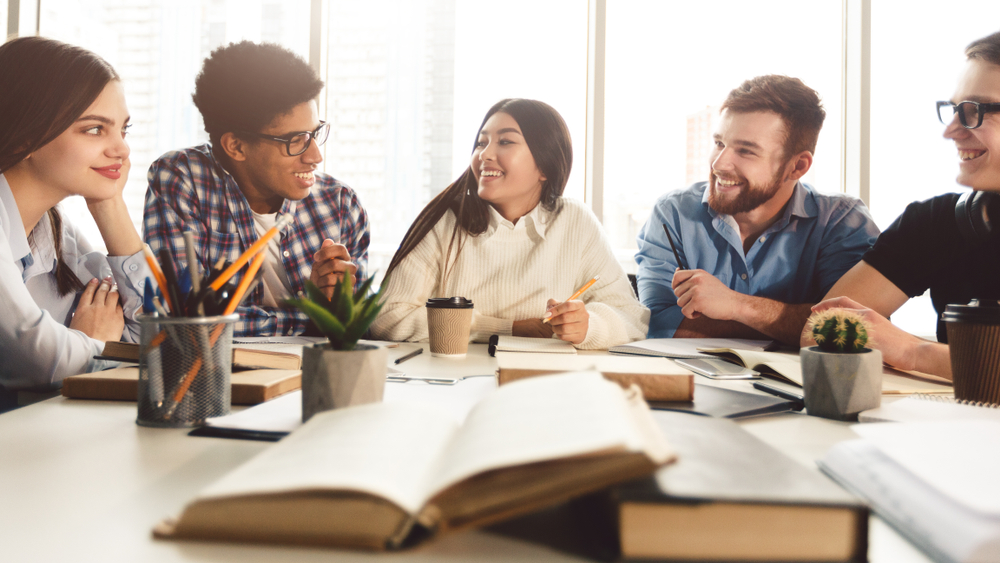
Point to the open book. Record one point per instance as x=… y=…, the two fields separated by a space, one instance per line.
x=385 y=475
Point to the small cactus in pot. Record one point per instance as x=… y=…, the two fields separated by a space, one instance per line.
x=840 y=376
x=839 y=331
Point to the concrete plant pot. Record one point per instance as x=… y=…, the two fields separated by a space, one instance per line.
x=839 y=386
x=332 y=379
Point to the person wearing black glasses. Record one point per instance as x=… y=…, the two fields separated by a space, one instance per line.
x=258 y=102
x=949 y=244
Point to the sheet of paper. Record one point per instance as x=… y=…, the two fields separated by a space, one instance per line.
x=959 y=458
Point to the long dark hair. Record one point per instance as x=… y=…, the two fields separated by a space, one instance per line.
x=45 y=85
x=548 y=139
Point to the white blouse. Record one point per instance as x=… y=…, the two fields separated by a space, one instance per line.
x=37 y=347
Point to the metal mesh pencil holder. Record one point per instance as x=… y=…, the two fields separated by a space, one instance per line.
x=185 y=367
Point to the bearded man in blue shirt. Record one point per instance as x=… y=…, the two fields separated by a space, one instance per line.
x=758 y=247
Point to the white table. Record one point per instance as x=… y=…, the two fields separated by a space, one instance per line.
x=80 y=481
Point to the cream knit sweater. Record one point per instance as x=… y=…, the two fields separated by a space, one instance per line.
x=510 y=271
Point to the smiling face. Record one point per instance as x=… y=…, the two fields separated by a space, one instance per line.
x=748 y=161
x=979 y=148
x=504 y=168
x=265 y=173
x=86 y=158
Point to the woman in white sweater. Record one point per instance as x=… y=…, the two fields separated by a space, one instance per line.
x=503 y=236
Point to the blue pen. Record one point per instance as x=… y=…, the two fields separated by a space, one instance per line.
x=147 y=297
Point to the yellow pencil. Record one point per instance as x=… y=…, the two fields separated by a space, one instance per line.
x=579 y=292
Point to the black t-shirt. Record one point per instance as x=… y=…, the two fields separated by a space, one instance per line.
x=923 y=249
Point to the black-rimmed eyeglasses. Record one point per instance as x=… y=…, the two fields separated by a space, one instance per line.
x=298 y=143
x=970 y=114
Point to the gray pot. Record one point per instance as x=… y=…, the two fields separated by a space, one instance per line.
x=332 y=379
x=839 y=386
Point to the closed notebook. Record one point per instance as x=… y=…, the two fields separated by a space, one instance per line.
x=250 y=387
x=532 y=345
x=242 y=357
x=658 y=378
x=732 y=497
x=387 y=475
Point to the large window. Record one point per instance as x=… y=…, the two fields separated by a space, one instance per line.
x=669 y=67
x=157 y=47
x=408 y=84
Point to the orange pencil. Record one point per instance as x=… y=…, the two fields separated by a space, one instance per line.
x=233 y=302
x=579 y=292
x=161 y=280
x=254 y=248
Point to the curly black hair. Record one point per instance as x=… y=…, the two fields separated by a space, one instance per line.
x=244 y=86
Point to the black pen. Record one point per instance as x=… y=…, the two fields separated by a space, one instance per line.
x=412 y=354
x=680 y=263
x=798 y=401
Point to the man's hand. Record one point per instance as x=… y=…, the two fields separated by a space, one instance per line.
x=700 y=293
x=532 y=328
x=99 y=314
x=570 y=320
x=330 y=264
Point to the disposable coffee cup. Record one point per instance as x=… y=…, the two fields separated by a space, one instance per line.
x=449 y=321
x=974 y=343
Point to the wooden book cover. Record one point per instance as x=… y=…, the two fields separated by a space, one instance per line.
x=730 y=496
x=658 y=378
x=387 y=475
x=242 y=357
x=250 y=387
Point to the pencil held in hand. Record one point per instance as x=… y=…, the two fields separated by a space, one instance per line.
x=578 y=293
x=680 y=264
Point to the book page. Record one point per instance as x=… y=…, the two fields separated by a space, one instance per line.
x=542 y=418
x=381 y=449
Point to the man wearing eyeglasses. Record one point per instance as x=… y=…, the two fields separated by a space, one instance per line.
x=949 y=244
x=258 y=103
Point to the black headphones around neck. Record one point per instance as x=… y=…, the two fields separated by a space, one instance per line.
x=970 y=214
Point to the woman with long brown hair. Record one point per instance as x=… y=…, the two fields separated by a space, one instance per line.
x=62 y=133
x=503 y=236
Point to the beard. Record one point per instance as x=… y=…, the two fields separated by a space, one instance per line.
x=749 y=198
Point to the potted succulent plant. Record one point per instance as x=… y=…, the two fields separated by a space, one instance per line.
x=840 y=376
x=341 y=372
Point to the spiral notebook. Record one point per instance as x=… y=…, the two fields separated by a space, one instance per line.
x=922 y=408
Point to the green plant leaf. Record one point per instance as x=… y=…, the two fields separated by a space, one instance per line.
x=328 y=324
x=316 y=295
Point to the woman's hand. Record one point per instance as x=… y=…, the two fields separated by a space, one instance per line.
x=99 y=314
x=570 y=320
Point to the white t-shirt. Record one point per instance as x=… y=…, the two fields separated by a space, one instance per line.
x=274 y=278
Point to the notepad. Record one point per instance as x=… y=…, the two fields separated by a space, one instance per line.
x=685 y=347
x=526 y=344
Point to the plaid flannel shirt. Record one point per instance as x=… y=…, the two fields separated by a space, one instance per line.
x=189 y=190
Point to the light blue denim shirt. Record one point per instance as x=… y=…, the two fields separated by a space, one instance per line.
x=797 y=260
